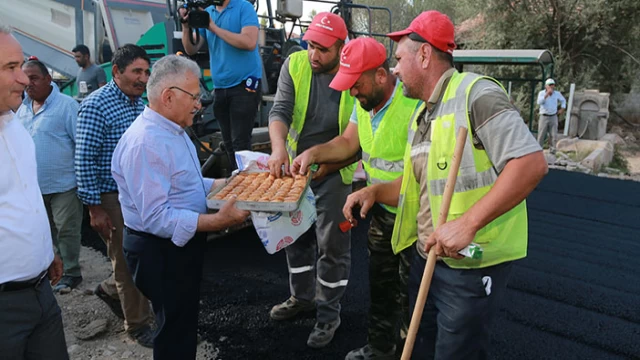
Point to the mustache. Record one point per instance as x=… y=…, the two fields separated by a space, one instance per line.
x=139 y=84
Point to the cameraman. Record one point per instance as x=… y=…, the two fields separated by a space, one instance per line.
x=236 y=69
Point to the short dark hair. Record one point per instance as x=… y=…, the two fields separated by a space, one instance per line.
x=37 y=63
x=127 y=54
x=82 y=49
x=442 y=55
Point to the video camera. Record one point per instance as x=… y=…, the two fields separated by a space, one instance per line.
x=199 y=18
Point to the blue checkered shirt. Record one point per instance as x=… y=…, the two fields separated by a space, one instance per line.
x=102 y=119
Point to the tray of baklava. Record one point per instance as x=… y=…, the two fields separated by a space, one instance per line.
x=260 y=191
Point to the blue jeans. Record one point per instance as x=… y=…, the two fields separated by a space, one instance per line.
x=456 y=321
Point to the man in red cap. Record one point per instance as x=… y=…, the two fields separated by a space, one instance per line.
x=307 y=112
x=501 y=164
x=379 y=125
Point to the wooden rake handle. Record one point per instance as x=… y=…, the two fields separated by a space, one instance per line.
x=461 y=138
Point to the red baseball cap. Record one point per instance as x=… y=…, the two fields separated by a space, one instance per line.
x=325 y=29
x=431 y=26
x=358 y=56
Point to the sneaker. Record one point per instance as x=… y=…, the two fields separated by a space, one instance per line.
x=113 y=304
x=368 y=352
x=322 y=334
x=291 y=308
x=67 y=282
x=143 y=336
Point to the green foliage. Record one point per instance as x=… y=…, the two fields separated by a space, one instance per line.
x=595 y=43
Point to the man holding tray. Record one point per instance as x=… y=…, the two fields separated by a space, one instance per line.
x=163 y=197
x=307 y=112
x=379 y=125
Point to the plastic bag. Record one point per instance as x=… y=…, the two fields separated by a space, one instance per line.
x=280 y=229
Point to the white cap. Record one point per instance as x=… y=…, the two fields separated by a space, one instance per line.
x=549 y=82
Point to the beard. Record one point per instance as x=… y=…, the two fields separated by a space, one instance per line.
x=369 y=102
x=325 y=68
x=410 y=92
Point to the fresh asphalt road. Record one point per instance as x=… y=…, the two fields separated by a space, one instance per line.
x=576 y=295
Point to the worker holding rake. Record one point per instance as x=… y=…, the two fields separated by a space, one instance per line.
x=481 y=190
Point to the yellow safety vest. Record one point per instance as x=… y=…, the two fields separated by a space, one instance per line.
x=300 y=71
x=505 y=238
x=382 y=154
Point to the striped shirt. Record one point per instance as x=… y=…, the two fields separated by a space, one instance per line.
x=53 y=130
x=102 y=119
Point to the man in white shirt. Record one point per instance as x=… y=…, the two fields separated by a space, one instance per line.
x=30 y=319
x=548 y=100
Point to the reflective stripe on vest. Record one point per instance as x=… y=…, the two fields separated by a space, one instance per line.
x=382 y=152
x=405 y=228
x=301 y=74
x=503 y=239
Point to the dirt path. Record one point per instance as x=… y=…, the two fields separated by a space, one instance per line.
x=80 y=308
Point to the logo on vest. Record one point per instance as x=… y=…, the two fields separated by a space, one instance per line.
x=296 y=217
x=486 y=281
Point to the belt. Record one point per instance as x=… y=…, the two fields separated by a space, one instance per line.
x=549 y=114
x=21 y=285
x=143 y=234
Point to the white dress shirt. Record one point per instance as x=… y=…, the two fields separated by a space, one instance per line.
x=25 y=236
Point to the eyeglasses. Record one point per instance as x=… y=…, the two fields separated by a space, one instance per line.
x=194 y=97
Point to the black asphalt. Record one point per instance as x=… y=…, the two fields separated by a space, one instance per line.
x=576 y=295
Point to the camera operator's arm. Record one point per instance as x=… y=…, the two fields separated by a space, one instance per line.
x=247 y=39
x=187 y=35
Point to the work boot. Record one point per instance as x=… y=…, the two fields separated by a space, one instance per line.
x=322 y=334
x=368 y=352
x=291 y=308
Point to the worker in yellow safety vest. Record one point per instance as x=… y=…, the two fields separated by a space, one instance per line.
x=379 y=126
x=501 y=164
x=307 y=112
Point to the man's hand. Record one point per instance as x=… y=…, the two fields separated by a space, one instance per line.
x=55 y=270
x=364 y=198
x=101 y=222
x=561 y=111
x=182 y=12
x=230 y=215
x=300 y=165
x=323 y=170
x=278 y=158
x=548 y=93
x=450 y=238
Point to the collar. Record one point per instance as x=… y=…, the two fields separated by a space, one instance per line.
x=230 y=5
x=112 y=86
x=441 y=85
x=5 y=117
x=393 y=95
x=156 y=118
x=55 y=91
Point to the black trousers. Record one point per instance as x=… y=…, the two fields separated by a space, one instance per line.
x=456 y=322
x=169 y=276
x=235 y=109
x=31 y=325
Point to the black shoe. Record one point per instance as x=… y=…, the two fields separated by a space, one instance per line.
x=68 y=282
x=113 y=304
x=143 y=336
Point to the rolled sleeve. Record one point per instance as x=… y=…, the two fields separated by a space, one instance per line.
x=90 y=133
x=498 y=125
x=185 y=228
x=208 y=183
x=354 y=114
